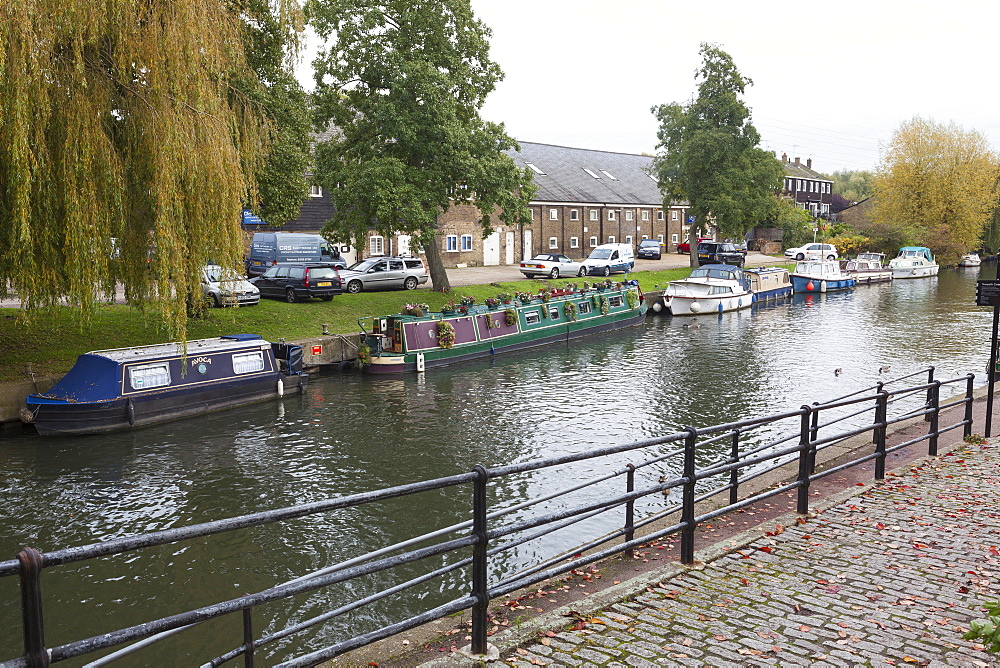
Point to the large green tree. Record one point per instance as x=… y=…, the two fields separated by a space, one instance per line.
x=937 y=182
x=707 y=153
x=853 y=185
x=141 y=122
x=403 y=84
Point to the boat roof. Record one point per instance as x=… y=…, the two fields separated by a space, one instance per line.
x=914 y=248
x=194 y=347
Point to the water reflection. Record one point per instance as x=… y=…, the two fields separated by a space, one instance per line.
x=354 y=433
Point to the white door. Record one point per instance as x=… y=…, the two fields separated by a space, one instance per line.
x=403 y=244
x=491 y=250
x=527 y=245
x=510 y=248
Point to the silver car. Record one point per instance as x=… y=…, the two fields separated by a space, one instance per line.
x=552 y=265
x=227 y=288
x=384 y=273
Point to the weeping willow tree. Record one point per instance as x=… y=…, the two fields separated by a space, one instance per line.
x=127 y=149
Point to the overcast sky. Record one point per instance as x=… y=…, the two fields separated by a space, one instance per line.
x=832 y=81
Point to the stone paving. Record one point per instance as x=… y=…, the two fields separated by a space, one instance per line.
x=890 y=576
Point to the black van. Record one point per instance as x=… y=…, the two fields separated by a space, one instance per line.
x=270 y=248
x=298 y=281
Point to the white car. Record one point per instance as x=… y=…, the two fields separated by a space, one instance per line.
x=227 y=288
x=813 y=252
x=552 y=265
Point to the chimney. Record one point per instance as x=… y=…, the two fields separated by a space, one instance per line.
x=797 y=162
x=784 y=157
x=809 y=163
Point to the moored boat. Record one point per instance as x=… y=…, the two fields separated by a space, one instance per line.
x=867 y=268
x=416 y=341
x=970 y=260
x=820 y=276
x=769 y=283
x=913 y=262
x=111 y=390
x=712 y=288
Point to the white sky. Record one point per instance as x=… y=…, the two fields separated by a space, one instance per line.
x=832 y=81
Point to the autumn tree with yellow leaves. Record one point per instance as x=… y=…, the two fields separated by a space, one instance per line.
x=937 y=183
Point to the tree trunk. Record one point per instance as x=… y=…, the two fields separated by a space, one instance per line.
x=439 y=277
x=694 y=233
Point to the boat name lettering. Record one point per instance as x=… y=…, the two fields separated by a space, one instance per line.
x=201 y=360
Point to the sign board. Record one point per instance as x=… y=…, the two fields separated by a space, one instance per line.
x=690 y=219
x=317 y=350
x=988 y=293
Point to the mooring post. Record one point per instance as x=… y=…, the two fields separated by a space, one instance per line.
x=687 y=500
x=479 y=563
x=248 y=637
x=31 y=607
x=805 y=460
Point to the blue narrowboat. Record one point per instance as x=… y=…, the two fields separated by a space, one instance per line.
x=112 y=390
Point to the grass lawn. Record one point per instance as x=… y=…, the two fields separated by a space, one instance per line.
x=49 y=341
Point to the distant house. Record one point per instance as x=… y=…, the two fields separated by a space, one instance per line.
x=809 y=189
x=585 y=198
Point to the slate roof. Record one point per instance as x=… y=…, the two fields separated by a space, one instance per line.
x=566 y=180
x=800 y=171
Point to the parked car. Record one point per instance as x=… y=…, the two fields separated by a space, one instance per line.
x=813 y=252
x=719 y=252
x=295 y=282
x=608 y=258
x=384 y=273
x=227 y=288
x=650 y=248
x=552 y=265
x=270 y=248
x=685 y=247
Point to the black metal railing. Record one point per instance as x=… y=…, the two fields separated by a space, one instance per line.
x=866 y=416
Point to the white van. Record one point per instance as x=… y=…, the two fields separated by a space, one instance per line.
x=609 y=258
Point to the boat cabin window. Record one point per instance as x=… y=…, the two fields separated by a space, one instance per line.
x=146 y=376
x=614 y=302
x=583 y=307
x=554 y=312
x=532 y=317
x=248 y=362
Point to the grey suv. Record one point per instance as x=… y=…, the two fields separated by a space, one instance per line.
x=719 y=252
x=384 y=273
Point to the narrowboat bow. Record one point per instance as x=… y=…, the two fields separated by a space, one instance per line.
x=406 y=342
x=111 y=390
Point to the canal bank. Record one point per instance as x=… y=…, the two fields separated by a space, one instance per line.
x=878 y=573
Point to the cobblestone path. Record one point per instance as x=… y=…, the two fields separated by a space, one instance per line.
x=892 y=576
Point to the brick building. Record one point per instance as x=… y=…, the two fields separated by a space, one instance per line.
x=809 y=189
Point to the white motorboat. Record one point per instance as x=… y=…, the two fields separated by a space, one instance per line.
x=913 y=262
x=713 y=288
x=970 y=260
x=867 y=268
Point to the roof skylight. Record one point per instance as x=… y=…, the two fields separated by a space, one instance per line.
x=534 y=168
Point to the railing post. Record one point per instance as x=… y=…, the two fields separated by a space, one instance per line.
x=881 y=415
x=935 y=403
x=248 y=637
x=814 y=427
x=930 y=379
x=31 y=607
x=968 y=405
x=479 y=563
x=734 y=475
x=805 y=460
x=630 y=507
x=687 y=501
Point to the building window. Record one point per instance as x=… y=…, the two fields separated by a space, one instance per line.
x=594 y=214
x=591 y=172
x=593 y=242
x=611 y=239
x=553 y=214
x=315 y=191
x=628 y=239
x=629 y=216
x=466 y=242
x=377 y=245
x=451 y=243
x=645 y=215
x=673 y=238
x=574 y=242
x=574 y=214
x=659 y=215
x=673 y=215
x=608 y=174
x=611 y=215
x=553 y=243
x=535 y=169
x=645 y=236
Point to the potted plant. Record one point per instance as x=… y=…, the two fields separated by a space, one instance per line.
x=492 y=303
x=524 y=297
x=448 y=308
x=468 y=301
x=418 y=310
x=445 y=334
x=545 y=295
x=505 y=297
x=510 y=317
x=571 y=311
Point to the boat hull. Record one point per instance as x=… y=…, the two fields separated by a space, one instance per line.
x=685 y=305
x=924 y=271
x=60 y=418
x=810 y=284
x=869 y=277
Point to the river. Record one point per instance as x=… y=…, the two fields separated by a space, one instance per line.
x=354 y=433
